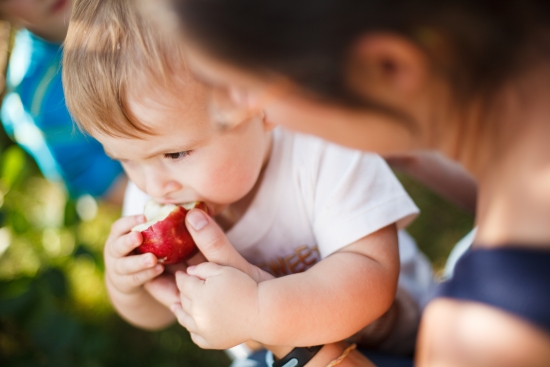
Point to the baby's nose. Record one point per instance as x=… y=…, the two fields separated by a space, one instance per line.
x=160 y=187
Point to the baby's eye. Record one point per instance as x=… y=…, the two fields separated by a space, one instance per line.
x=177 y=156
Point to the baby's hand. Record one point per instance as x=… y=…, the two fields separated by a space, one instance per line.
x=163 y=288
x=126 y=272
x=218 y=305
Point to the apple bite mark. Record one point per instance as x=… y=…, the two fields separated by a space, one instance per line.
x=165 y=234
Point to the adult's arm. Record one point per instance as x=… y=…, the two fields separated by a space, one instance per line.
x=467 y=334
x=441 y=175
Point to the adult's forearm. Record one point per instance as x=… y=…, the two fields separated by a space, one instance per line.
x=441 y=175
x=470 y=334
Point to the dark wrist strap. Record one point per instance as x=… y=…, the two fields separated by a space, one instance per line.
x=298 y=357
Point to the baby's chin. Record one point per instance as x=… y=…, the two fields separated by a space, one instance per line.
x=216 y=209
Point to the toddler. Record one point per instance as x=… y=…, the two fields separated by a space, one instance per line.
x=322 y=219
x=34 y=112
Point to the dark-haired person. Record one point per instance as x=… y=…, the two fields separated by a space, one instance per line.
x=469 y=79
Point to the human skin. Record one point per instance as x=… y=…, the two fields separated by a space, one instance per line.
x=513 y=207
x=442 y=175
x=48 y=19
x=188 y=159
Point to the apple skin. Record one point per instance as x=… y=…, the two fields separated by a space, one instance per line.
x=168 y=239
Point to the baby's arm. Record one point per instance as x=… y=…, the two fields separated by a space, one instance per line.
x=335 y=298
x=222 y=306
x=126 y=274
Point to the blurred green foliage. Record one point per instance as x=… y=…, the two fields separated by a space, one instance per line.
x=440 y=225
x=54 y=310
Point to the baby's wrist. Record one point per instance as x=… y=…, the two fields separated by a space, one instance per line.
x=254 y=326
x=131 y=292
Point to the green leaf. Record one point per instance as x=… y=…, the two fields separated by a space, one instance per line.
x=13 y=163
x=70 y=215
x=16 y=297
x=56 y=282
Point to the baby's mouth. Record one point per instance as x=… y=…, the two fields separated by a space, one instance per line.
x=188 y=205
x=210 y=209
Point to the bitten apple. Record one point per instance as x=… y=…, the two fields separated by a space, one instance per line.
x=165 y=234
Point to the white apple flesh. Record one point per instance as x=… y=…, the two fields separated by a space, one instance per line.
x=165 y=234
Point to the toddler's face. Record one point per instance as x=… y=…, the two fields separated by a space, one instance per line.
x=189 y=158
x=44 y=17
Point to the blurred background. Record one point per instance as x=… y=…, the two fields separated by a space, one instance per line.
x=54 y=309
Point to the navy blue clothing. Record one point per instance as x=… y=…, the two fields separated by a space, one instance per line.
x=516 y=280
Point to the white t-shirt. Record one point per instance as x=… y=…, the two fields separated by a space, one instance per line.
x=316 y=198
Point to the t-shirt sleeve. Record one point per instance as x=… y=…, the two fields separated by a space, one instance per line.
x=134 y=200
x=356 y=194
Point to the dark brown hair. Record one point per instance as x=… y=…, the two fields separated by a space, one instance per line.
x=476 y=44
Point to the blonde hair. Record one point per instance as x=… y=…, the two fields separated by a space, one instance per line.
x=110 y=51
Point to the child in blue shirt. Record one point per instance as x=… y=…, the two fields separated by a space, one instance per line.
x=34 y=112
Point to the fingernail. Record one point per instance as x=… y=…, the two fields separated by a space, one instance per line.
x=173 y=308
x=142 y=218
x=190 y=268
x=197 y=219
x=158 y=268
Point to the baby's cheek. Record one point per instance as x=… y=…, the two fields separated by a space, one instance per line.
x=227 y=183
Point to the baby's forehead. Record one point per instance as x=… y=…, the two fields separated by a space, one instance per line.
x=153 y=93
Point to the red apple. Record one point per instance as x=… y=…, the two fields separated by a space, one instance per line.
x=165 y=234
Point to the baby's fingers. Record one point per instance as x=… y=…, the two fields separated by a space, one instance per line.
x=136 y=280
x=188 y=285
x=184 y=318
x=163 y=288
x=125 y=244
x=125 y=224
x=133 y=264
x=200 y=341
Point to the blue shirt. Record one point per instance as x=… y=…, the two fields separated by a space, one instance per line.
x=514 y=279
x=35 y=116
